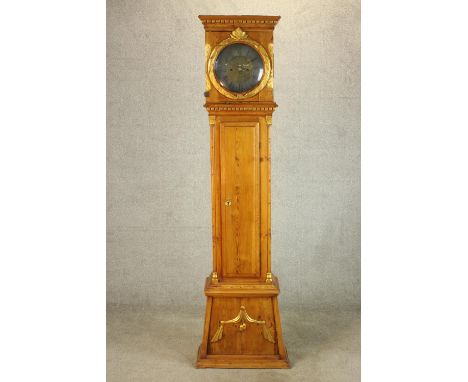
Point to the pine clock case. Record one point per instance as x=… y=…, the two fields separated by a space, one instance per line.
x=242 y=326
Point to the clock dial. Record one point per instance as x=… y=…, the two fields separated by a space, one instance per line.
x=239 y=68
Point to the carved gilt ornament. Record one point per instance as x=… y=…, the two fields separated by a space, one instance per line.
x=242 y=317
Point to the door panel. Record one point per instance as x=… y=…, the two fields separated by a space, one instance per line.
x=240 y=199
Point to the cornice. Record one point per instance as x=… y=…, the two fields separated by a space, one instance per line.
x=221 y=22
x=218 y=19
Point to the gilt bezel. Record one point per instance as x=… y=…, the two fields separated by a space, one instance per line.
x=238 y=36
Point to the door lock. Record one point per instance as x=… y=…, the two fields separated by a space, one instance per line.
x=228 y=202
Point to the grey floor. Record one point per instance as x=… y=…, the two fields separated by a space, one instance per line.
x=160 y=344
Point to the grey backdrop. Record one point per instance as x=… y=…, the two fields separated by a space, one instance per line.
x=159 y=214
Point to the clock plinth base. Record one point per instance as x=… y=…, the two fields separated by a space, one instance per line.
x=242 y=362
x=242 y=326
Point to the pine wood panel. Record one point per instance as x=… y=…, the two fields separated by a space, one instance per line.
x=240 y=183
x=215 y=194
x=251 y=340
x=265 y=197
x=225 y=309
x=260 y=309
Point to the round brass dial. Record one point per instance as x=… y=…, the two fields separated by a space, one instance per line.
x=240 y=92
x=239 y=68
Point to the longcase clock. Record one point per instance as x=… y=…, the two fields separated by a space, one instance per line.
x=242 y=324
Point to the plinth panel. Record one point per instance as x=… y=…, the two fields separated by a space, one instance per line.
x=239 y=340
x=242 y=332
